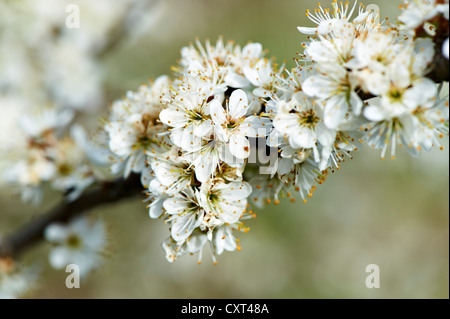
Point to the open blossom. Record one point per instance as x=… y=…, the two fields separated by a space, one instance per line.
x=445 y=49
x=416 y=126
x=80 y=242
x=301 y=121
x=232 y=126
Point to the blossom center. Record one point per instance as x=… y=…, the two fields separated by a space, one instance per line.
x=73 y=241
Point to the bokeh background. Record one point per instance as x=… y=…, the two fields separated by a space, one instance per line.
x=390 y=213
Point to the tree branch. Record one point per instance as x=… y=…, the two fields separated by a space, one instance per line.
x=32 y=232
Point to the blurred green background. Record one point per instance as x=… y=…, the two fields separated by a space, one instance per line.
x=390 y=213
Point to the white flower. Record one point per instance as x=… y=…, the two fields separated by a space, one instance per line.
x=250 y=55
x=301 y=122
x=157 y=194
x=382 y=61
x=429 y=122
x=225 y=201
x=173 y=170
x=129 y=139
x=206 y=60
x=334 y=87
x=48 y=157
x=402 y=97
x=80 y=242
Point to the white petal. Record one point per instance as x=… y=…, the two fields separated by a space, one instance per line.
x=55 y=232
x=445 y=49
x=217 y=112
x=420 y=94
x=59 y=257
x=326 y=26
x=325 y=135
x=252 y=75
x=374 y=113
x=230 y=213
x=156 y=208
x=203 y=128
x=318 y=86
x=261 y=92
x=236 y=191
x=285 y=165
x=205 y=168
x=356 y=103
x=175 y=205
x=224 y=240
x=335 y=111
x=305 y=138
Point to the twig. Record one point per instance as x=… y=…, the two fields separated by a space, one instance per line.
x=32 y=232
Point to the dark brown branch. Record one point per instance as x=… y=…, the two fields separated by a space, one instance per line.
x=33 y=231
